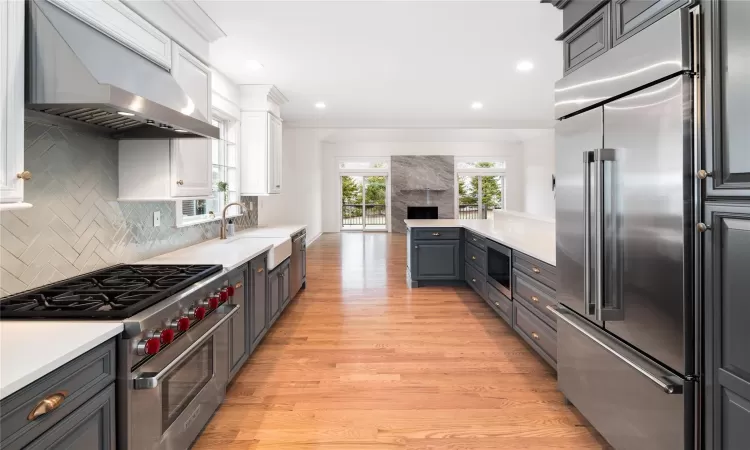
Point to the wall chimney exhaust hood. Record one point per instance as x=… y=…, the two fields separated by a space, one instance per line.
x=76 y=72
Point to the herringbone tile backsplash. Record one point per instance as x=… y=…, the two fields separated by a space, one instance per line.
x=76 y=224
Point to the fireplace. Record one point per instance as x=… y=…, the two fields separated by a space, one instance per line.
x=421 y=212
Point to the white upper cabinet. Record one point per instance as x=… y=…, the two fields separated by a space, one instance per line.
x=12 y=172
x=122 y=24
x=260 y=144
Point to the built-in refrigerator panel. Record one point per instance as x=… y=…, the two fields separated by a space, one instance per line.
x=647 y=220
x=575 y=138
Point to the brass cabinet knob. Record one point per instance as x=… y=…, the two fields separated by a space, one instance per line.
x=436 y=234
x=260 y=270
x=497 y=304
x=180 y=182
x=238 y=285
x=702 y=174
x=25 y=175
x=535 y=299
x=475 y=239
x=535 y=336
x=473 y=280
x=48 y=404
x=535 y=270
x=473 y=257
x=702 y=227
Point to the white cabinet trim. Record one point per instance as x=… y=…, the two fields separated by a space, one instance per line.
x=122 y=24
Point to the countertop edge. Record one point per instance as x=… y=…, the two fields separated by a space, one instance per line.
x=512 y=245
x=56 y=363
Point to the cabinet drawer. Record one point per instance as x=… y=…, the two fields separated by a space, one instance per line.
x=473 y=238
x=588 y=41
x=476 y=280
x=436 y=233
x=78 y=380
x=537 y=333
x=477 y=257
x=535 y=295
x=537 y=270
x=500 y=303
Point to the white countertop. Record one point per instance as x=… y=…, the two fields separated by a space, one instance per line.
x=275 y=231
x=30 y=349
x=534 y=237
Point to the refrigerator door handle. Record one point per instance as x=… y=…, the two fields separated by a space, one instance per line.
x=668 y=388
x=601 y=156
x=588 y=304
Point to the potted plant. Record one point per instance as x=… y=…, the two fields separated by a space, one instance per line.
x=223 y=186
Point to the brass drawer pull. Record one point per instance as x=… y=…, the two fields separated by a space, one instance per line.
x=535 y=299
x=497 y=304
x=473 y=257
x=180 y=182
x=260 y=270
x=473 y=280
x=49 y=404
x=25 y=175
x=436 y=234
x=238 y=285
x=535 y=336
x=535 y=269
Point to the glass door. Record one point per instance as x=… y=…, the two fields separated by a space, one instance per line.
x=352 y=201
x=479 y=195
x=375 y=203
x=364 y=203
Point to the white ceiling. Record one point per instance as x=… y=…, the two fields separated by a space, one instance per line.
x=396 y=63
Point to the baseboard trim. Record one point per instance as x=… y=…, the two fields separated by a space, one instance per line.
x=315 y=238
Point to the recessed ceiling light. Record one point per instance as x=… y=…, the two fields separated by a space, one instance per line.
x=125 y=113
x=320 y=105
x=477 y=105
x=254 y=65
x=524 y=66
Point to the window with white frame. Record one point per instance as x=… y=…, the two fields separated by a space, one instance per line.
x=480 y=186
x=225 y=177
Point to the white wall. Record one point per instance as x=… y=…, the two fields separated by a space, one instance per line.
x=510 y=151
x=539 y=166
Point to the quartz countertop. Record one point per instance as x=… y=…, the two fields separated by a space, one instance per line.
x=30 y=349
x=534 y=237
x=275 y=231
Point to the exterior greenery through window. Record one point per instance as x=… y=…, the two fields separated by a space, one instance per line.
x=225 y=180
x=480 y=188
x=364 y=188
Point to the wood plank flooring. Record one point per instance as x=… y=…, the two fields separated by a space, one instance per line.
x=360 y=361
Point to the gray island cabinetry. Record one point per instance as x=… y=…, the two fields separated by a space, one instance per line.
x=72 y=407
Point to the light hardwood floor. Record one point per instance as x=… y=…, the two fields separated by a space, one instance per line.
x=360 y=361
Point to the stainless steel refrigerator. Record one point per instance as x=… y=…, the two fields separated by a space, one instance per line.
x=626 y=145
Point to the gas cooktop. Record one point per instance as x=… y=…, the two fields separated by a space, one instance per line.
x=113 y=293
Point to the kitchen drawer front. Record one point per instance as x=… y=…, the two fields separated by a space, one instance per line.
x=537 y=270
x=589 y=41
x=78 y=380
x=536 y=296
x=477 y=257
x=537 y=333
x=500 y=303
x=436 y=233
x=475 y=239
x=476 y=280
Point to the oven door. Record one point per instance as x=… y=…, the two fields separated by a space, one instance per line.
x=498 y=267
x=175 y=393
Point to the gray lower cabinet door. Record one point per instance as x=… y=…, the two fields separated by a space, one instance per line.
x=274 y=294
x=285 y=283
x=727 y=97
x=240 y=324
x=259 y=300
x=91 y=426
x=727 y=265
x=436 y=260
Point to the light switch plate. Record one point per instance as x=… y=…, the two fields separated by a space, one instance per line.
x=157 y=218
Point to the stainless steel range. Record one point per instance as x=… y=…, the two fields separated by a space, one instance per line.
x=173 y=357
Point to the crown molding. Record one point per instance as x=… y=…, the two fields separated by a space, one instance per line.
x=193 y=15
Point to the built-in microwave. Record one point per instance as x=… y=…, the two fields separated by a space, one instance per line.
x=498 y=267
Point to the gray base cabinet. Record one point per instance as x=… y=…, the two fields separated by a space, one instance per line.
x=278 y=290
x=240 y=324
x=260 y=319
x=435 y=254
x=85 y=416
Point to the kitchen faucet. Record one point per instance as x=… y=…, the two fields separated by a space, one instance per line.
x=223 y=232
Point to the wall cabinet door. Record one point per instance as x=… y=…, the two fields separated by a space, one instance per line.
x=436 y=260
x=259 y=300
x=590 y=40
x=727 y=93
x=11 y=102
x=274 y=154
x=240 y=324
x=632 y=16
x=191 y=158
x=727 y=251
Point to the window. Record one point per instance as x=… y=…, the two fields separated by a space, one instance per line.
x=480 y=185
x=364 y=165
x=225 y=177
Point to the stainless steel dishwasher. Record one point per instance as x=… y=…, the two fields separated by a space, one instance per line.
x=299 y=262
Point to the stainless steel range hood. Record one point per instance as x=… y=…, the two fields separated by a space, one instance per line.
x=76 y=72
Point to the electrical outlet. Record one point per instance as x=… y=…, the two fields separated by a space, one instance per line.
x=157 y=218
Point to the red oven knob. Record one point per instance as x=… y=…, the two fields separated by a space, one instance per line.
x=166 y=336
x=149 y=346
x=223 y=295
x=181 y=324
x=213 y=302
x=230 y=290
x=197 y=313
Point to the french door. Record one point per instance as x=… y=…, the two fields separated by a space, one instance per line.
x=479 y=195
x=364 y=202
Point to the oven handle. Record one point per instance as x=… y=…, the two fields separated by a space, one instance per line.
x=151 y=382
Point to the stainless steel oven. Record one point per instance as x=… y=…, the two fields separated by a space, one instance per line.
x=174 y=393
x=499 y=267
